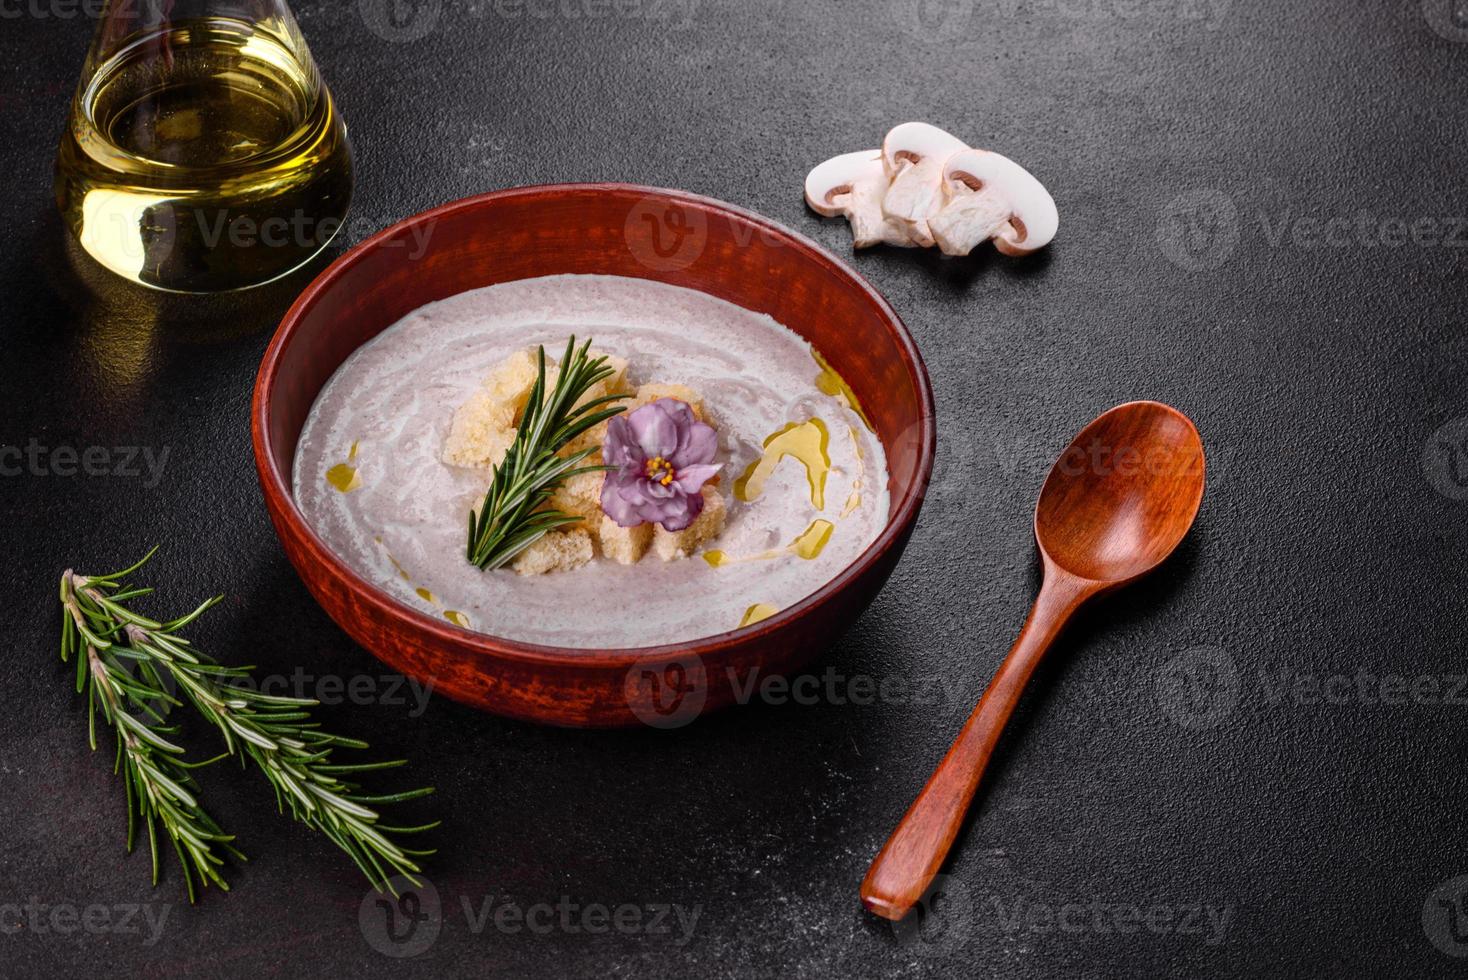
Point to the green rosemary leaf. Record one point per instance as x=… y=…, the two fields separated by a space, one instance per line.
x=363 y=766
x=250 y=733
x=123 y=614
x=421 y=828
x=174 y=789
x=411 y=794
x=276 y=699
x=116 y=576
x=183 y=621
x=92 y=638
x=147 y=734
x=341 y=803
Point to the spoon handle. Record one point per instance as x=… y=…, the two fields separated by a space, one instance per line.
x=907 y=863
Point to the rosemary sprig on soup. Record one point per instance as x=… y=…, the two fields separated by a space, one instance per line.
x=516 y=511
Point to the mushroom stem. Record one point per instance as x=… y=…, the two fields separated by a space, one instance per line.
x=970 y=218
x=916 y=190
x=869 y=225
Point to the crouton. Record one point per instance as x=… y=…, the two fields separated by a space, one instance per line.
x=474 y=440
x=672 y=545
x=484 y=426
x=510 y=383
x=625 y=545
x=557 y=551
x=647 y=394
x=580 y=496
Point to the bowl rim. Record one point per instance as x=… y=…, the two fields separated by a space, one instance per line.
x=900 y=518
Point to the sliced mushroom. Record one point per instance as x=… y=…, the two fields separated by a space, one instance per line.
x=913 y=155
x=989 y=196
x=853 y=184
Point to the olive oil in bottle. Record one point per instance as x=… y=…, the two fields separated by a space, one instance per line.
x=203 y=154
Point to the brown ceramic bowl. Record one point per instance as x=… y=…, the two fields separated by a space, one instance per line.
x=609 y=229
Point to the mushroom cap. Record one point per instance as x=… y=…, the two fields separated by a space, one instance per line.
x=1035 y=218
x=918 y=140
x=836 y=176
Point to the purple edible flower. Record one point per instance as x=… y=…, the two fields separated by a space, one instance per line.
x=663 y=457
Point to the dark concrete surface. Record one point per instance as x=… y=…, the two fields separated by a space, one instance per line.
x=1251 y=764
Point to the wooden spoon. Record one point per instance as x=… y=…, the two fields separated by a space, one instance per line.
x=1116 y=503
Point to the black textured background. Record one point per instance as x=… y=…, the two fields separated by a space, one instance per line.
x=1212 y=160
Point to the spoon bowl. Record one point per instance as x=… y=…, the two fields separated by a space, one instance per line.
x=1123 y=494
x=1117 y=502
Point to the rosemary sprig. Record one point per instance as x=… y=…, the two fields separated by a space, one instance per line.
x=514 y=513
x=160 y=786
x=274 y=732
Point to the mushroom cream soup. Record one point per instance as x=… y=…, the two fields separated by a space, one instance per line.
x=803 y=478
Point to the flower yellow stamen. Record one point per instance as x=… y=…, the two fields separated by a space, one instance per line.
x=659 y=470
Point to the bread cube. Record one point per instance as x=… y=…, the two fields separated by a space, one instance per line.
x=474 y=440
x=484 y=426
x=557 y=551
x=673 y=545
x=511 y=383
x=580 y=496
x=647 y=394
x=625 y=545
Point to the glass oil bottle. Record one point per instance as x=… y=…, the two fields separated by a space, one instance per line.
x=203 y=152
